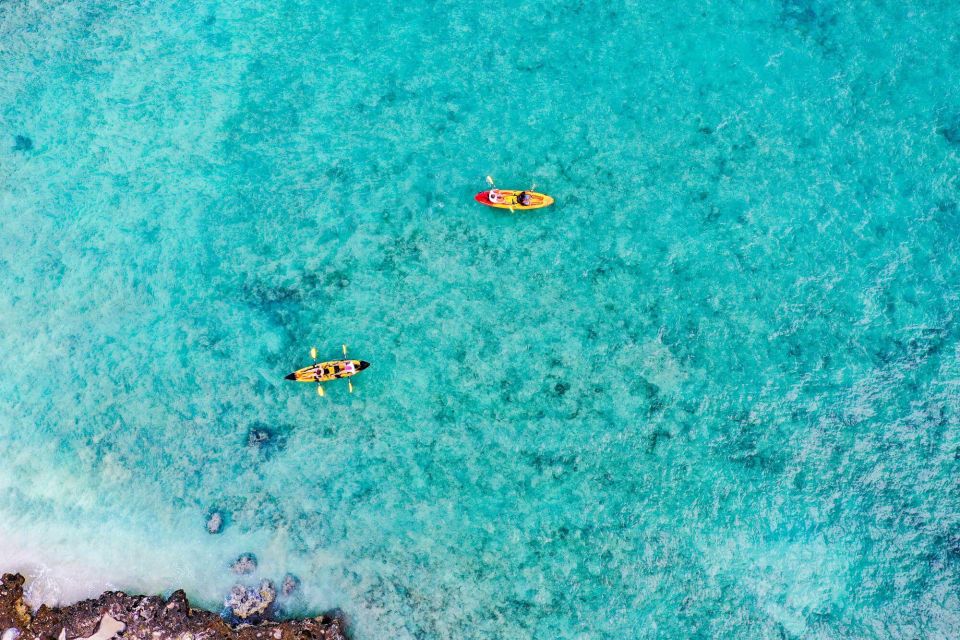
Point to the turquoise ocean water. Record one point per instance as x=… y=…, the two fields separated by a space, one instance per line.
x=713 y=393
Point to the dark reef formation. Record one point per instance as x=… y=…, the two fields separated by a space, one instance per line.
x=116 y=614
x=22 y=143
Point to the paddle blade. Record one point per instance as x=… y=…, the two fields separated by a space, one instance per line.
x=350 y=386
x=320 y=390
x=313 y=352
x=344 y=351
x=490 y=181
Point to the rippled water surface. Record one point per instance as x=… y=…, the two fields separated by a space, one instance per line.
x=714 y=392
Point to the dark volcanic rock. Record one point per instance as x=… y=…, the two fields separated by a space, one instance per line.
x=148 y=618
x=14 y=613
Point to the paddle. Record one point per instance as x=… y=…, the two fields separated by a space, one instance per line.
x=349 y=383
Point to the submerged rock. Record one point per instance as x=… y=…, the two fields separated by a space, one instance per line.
x=265 y=441
x=245 y=604
x=290 y=584
x=215 y=522
x=245 y=564
x=22 y=143
x=150 y=617
x=951 y=130
x=258 y=437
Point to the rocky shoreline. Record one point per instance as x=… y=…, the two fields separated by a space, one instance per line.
x=118 y=615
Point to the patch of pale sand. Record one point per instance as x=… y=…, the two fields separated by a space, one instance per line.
x=109 y=628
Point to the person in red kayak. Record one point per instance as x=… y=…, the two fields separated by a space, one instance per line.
x=524 y=199
x=496 y=196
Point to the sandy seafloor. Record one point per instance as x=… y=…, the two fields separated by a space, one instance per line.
x=713 y=393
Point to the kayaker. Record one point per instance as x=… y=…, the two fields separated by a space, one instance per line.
x=348 y=367
x=495 y=196
x=524 y=199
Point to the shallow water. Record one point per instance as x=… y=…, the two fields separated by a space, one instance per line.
x=713 y=392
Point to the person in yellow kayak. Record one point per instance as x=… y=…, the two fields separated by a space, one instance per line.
x=523 y=198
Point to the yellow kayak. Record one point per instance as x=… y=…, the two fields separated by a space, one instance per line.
x=510 y=199
x=326 y=371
